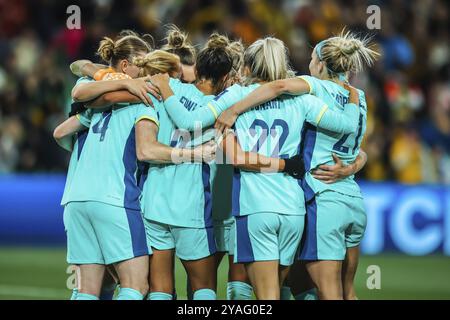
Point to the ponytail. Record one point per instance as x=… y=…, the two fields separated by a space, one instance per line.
x=267 y=60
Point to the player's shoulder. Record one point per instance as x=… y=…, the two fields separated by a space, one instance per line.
x=185 y=89
x=175 y=83
x=308 y=99
x=307 y=78
x=140 y=108
x=207 y=99
x=231 y=93
x=246 y=89
x=311 y=81
x=239 y=89
x=84 y=80
x=155 y=108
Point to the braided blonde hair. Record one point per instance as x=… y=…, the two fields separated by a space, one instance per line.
x=157 y=61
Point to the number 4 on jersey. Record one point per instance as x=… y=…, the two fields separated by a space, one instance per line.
x=101 y=126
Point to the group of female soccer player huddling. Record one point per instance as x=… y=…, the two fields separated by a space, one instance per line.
x=272 y=186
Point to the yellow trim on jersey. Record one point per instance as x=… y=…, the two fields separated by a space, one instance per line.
x=147 y=118
x=214 y=111
x=322 y=112
x=309 y=84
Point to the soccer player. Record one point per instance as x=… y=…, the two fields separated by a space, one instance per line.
x=238 y=285
x=184 y=229
x=177 y=43
x=336 y=215
x=264 y=61
x=103 y=218
x=119 y=54
x=76 y=124
x=177 y=200
x=74 y=144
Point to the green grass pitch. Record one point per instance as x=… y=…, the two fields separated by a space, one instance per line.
x=31 y=273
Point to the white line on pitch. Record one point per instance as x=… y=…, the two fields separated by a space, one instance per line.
x=33 y=292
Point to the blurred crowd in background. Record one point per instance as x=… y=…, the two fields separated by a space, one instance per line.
x=408 y=90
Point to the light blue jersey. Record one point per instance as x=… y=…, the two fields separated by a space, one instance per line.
x=274 y=130
x=319 y=144
x=205 y=116
x=180 y=195
x=79 y=140
x=108 y=170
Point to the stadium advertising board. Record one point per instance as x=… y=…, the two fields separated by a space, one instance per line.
x=414 y=220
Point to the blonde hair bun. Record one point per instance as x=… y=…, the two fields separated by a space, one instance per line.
x=348 y=53
x=106 y=49
x=176 y=39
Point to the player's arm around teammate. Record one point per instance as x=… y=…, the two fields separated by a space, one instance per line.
x=104 y=227
x=186 y=231
x=153 y=62
x=119 y=55
x=293 y=86
x=64 y=132
x=150 y=150
x=332 y=173
x=339 y=122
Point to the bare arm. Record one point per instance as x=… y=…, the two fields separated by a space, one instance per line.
x=115 y=97
x=339 y=171
x=264 y=93
x=85 y=68
x=249 y=161
x=89 y=91
x=64 y=132
x=360 y=162
x=150 y=150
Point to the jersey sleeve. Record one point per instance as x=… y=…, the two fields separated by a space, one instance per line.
x=321 y=116
x=84 y=80
x=226 y=99
x=185 y=119
x=205 y=115
x=175 y=84
x=146 y=113
x=85 y=118
x=312 y=82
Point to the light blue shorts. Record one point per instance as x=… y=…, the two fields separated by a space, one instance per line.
x=267 y=237
x=334 y=222
x=99 y=233
x=189 y=243
x=224 y=234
